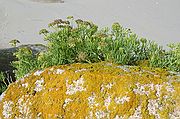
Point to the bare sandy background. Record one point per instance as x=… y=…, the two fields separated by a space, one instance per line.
x=157 y=20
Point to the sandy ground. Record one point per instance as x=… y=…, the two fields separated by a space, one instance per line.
x=157 y=20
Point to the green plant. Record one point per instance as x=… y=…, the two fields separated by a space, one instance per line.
x=27 y=61
x=167 y=59
x=3 y=83
x=71 y=41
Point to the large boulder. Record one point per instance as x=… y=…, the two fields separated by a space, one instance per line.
x=93 y=91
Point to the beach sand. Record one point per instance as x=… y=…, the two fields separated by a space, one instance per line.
x=157 y=20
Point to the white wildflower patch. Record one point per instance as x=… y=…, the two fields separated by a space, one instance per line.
x=25 y=85
x=66 y=102
x=137 y=114
x=121 y=100
x=107 y=102
x=75 y=86
x=7 y=109
x=2 y=96
x=38 y=73
x=153 y=107
x=39 y=85
x=80 y=70
x=101 y=115
x=24 y=105
x=59 y=71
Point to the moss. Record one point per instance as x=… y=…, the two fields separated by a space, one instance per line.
x=99 y=90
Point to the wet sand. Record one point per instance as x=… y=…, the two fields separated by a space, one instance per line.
x=157 y=20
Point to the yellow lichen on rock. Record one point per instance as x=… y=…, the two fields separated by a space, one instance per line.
x=93 y=91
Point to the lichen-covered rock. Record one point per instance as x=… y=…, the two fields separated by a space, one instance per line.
x=93 y=91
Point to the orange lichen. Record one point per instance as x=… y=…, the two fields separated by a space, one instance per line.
x=100 y=90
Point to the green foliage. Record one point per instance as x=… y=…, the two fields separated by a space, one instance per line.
x=26 y=62
x=169 y=59
x=72 y=41
x=3 y=84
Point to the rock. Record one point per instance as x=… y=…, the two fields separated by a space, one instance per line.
x=88 y=91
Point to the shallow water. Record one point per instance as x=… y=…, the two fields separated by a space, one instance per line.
x=157 y=20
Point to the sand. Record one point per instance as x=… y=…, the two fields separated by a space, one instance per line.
x=157 y=20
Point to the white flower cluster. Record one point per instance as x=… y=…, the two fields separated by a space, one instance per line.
x=7 y=109
x=39 y=85
x=80 y=70
x=153 y=107
x=75 y=87
x=38 y=73
x=137 y=114
x=119 y=100
x=107 y=102
x=101 y=115
x=24 y=108
x=66 y=102
x=59 y=71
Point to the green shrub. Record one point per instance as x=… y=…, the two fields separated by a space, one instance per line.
x=169 y=59
x=71 y=41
